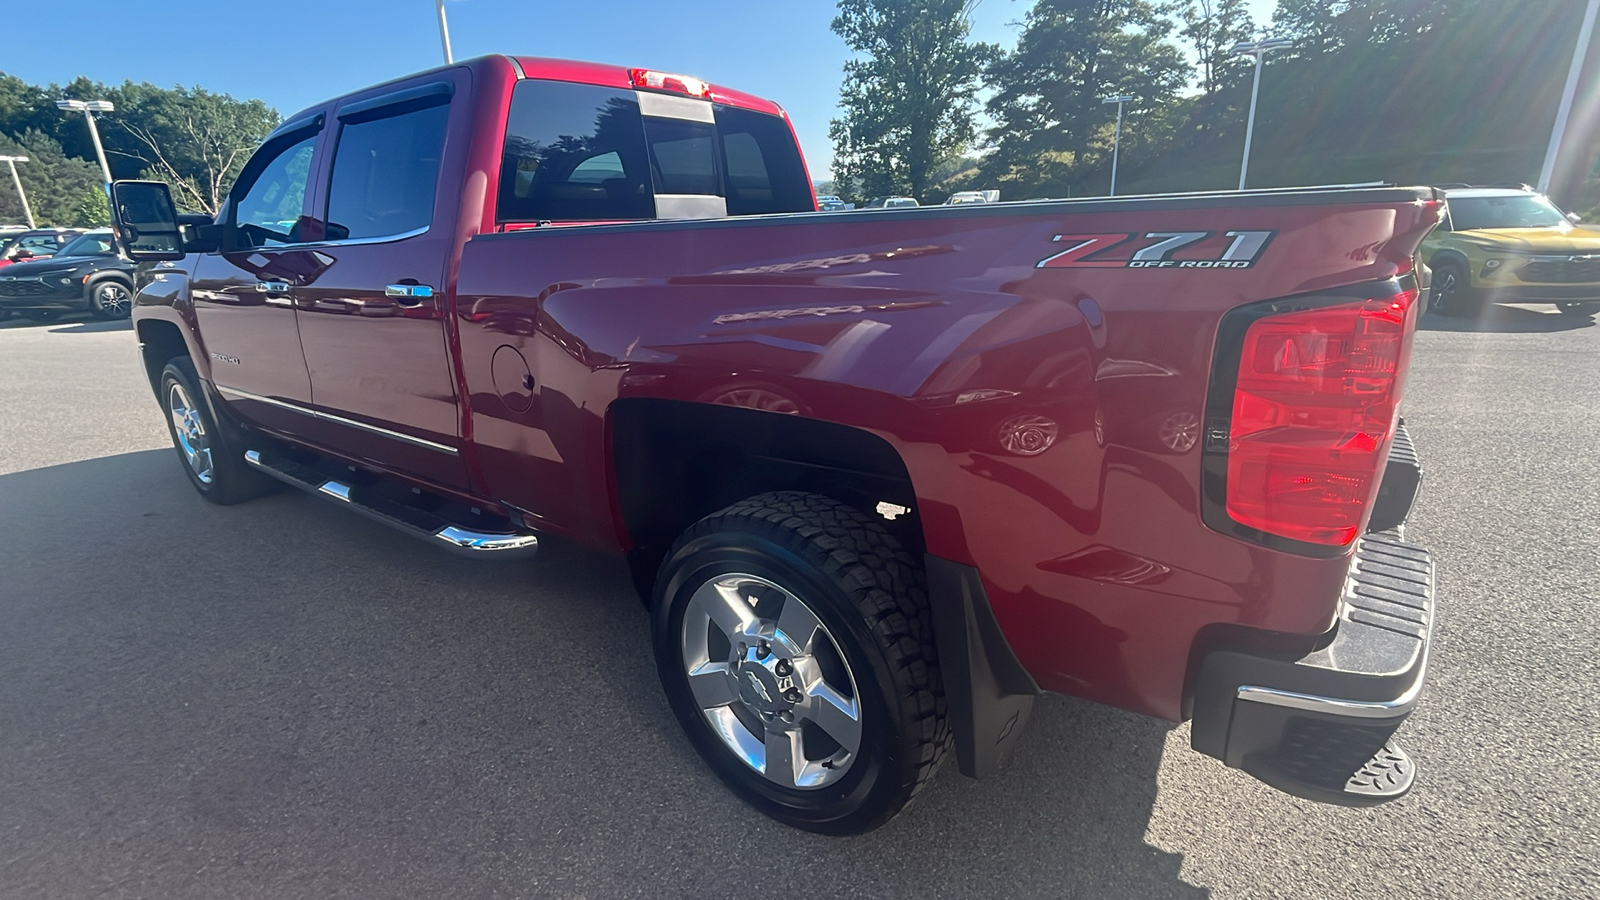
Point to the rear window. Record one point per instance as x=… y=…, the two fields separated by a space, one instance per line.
x=764 y=170
x=574 y=152
x=578 y=152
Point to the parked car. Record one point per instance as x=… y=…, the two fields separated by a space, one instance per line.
x=960 y=197
x=892 y=203
x=33 y=243
x=831 y=203
x=85 y=275
x=1511 y=245
x=880 y=480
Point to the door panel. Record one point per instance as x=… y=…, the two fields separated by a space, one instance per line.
x=242 y=295
x=379 y=363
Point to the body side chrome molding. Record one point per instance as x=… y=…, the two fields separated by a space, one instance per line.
x=330 y=417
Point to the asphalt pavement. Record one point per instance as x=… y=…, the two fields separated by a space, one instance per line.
x=282 y=700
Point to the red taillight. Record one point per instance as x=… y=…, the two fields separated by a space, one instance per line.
x=1313 y=410
x=666 y=81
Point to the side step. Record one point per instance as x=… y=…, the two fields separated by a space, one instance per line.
x=442 y=524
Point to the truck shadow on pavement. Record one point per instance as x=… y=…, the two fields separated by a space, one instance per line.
x=1499 y=318
x=280 y=698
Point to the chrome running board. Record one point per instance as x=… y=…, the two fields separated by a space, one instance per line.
x=469 y=539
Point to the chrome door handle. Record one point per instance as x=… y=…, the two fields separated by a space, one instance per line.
x=408 y=294
x=272 y=287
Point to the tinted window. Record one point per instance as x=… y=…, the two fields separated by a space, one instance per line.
x=574 y=152
x=270 y=206
x=385 y=171
x=96 y=244
x=40 y=243
x=764 y=170
x=1519 y=211
x=682 y=156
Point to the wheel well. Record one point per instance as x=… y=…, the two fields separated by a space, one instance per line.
x=159 y=342
x=677 y=462
x=1453 y=256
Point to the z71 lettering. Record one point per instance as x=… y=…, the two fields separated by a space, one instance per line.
x=1159 y=250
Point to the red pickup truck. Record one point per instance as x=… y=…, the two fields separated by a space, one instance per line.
x=881 y=476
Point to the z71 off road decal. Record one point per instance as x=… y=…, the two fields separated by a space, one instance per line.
x=1159 y=250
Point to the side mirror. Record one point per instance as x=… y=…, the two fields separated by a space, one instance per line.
x=1574 y=218
x=199 y=234
x=145 y=221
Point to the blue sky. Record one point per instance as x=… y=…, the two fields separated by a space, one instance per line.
x=292 y=53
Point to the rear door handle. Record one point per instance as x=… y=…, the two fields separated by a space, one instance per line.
x=408 y=294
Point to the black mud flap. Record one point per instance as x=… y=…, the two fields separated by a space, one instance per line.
x=988 y=692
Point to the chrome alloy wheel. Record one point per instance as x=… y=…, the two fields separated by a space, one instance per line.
x=190 y=432
x=770 y=681
x=112 y=300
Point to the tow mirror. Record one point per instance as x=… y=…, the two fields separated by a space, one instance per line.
x=145 y=221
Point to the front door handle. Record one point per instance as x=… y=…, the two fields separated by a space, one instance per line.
x=408 y=294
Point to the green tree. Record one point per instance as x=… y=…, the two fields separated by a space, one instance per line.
x=1213 y=27
x=56 y=183
x=193 y=139
x=909 y=98
x=1052 y=131
x=1312 y=24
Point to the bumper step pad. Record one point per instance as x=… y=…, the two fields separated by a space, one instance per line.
x=1319 y=726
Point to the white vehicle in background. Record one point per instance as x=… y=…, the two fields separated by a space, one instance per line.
x=960 y=197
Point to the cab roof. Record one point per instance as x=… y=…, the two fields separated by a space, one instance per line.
x=607 y=75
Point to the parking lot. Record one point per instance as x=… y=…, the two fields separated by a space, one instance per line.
x=282 y=700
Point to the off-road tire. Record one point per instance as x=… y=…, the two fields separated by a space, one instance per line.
x=871 y=597
x=231 y=479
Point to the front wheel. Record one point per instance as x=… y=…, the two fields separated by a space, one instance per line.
x=1452 y=293
x=1580 y=308
x=794 y=643
x=111 y=300
x=210 y=452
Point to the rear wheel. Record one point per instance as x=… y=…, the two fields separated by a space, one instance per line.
x=212 y=453
x=111 y=299
x=1452 y=293
x=793 y=640
x=1581 y=308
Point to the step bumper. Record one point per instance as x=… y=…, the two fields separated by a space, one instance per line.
x=1319 y=725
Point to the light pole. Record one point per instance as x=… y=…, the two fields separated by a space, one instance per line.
x=1116 y=139
x=1259 y=50
x=89 y=108
x=1565 y=108
x=12 y=162
x=444 y=32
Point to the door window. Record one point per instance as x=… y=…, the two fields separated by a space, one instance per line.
x=40 y=244
x=385 y=172
x=268 y=213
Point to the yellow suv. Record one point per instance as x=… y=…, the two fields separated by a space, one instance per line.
x=1511 y=245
